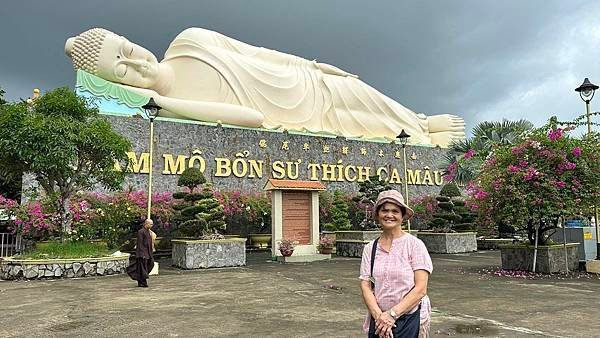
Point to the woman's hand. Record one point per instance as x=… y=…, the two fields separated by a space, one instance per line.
x=384 y=324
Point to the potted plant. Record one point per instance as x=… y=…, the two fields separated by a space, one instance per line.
x=199 y=219
x=326 y=245
x=450 y=225
x=286 y=246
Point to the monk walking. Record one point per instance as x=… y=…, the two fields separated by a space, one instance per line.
x=144 y=261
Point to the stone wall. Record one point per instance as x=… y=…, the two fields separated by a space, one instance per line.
x=243 y=144
x=352 y=243
x=202 y=254
x=11 y=268
x=550 y=259
x=449 y=243
x=493 y=243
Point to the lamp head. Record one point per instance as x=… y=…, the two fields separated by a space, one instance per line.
x=151 y=109
x=586 y=90
x=403 y=137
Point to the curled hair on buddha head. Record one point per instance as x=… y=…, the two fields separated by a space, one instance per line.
x=84 y=49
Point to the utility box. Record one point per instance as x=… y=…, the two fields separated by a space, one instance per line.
x=585 y=236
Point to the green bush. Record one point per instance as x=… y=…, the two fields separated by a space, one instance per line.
x=68 y=249
x=339 y=214
x=450 y=190
x=191 y=178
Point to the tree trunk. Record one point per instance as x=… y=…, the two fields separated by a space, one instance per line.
x=64 y=210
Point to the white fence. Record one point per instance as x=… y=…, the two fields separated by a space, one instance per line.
x=10 y=244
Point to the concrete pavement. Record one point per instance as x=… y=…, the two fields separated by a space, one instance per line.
x=319 y=299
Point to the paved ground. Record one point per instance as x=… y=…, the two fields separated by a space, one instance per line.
x=268 y=299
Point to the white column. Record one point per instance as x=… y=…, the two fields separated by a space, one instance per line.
x=276 y=221
x=314 y=217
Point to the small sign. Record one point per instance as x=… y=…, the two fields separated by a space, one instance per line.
x=587 y=235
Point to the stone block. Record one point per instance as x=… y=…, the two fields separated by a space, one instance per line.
x=76 y=267
x=200 y=254
x=550 y=259
x=449 y=243
x=593 y=266
x=31 y=272
x=87 y=268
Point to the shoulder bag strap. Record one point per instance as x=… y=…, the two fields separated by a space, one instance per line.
x=373 y=252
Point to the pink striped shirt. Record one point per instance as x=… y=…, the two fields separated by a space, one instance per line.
x=394 y=272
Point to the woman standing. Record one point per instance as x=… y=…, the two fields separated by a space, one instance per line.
x=395 y=274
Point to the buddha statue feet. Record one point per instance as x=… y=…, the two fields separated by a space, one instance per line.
x=445 y=128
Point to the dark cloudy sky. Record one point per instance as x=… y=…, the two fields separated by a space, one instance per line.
x=483 y=59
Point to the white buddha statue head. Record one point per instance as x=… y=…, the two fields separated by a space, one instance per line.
x=113 y=58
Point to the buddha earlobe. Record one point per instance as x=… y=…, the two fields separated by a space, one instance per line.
x=69 y=46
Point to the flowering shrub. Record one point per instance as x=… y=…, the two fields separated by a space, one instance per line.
x=326 y=241
x=37 y=220
x=531 y=184
x=286 y=245
x=94 y=216
x=424 y=207
x=246 y=212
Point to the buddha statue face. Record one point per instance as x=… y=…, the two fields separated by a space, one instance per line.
x=113 y=58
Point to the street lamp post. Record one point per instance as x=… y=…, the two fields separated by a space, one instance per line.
x=403 y=137
x=586 y=92
x=151 y=110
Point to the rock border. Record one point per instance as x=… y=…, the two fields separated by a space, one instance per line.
x=13 y=268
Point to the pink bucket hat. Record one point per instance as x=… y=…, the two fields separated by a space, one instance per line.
x=395 y=197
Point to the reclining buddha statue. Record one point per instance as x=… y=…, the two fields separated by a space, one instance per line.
x=207 y=76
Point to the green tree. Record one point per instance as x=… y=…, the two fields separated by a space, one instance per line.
x=464 y=158
x=191 y=178
x=64 y=143
x=368 y=191
x=339 y=214
x=198 y=214
x=2 y=92
x=9 y=186
x=532 y=184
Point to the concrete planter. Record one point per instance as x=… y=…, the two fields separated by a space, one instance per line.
x=493 y=243
x=351 y=243
x=202 y=254
x=260 y=241
x=449 y=243
x=12 y=268
x=330 y=234
x=550 y=258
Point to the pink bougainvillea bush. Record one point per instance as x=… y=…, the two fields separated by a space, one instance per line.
x=531 y=184
x=245 y=212
x=113 y=218
x=424 y=207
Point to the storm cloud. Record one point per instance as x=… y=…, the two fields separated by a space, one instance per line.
x=483 y=60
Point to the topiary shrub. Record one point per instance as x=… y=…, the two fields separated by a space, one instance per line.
x=445 y=217
x=368 y=191
x=191 y=178
x=198 y=214
x=450 y=190
x=466 y=216
x=339 y=214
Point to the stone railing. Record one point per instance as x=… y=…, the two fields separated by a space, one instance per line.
x=201 y=254
x=13 y=268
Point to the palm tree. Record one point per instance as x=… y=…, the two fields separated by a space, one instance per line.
x=486 y=135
